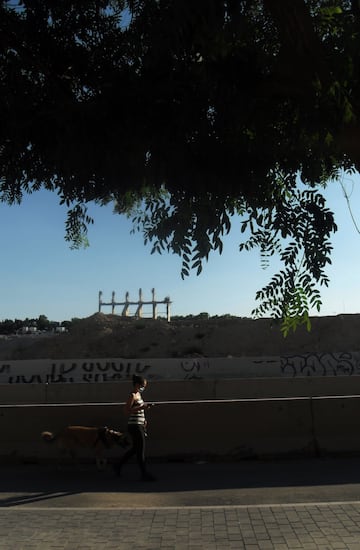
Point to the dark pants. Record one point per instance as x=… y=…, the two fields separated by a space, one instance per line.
x=137 y=433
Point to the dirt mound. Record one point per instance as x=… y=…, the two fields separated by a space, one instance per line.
x=102 y=335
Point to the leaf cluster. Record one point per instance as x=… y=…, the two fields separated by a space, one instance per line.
x=183 y=115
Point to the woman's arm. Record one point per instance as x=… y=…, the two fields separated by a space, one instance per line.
x=129 y=405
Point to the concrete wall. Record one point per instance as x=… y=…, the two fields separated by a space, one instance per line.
x=112 y=370
x=187 y=390
x=258 y=417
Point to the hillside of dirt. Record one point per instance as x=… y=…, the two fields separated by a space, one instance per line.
x=103 y=335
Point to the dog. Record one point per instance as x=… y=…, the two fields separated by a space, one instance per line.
x=99 y=439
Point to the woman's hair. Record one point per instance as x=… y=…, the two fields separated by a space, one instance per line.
x=138 y=380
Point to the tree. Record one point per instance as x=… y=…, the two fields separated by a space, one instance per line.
x=43 y=323
x=184 y=114
x=7 y=327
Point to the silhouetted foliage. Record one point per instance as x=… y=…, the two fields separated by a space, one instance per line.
x=184 y=114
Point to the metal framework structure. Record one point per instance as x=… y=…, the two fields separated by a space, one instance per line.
x=139 y=303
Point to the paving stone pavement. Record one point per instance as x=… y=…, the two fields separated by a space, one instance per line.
x=331 y=526
x=277 y=505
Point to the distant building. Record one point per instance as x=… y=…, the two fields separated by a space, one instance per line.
x=28 y=330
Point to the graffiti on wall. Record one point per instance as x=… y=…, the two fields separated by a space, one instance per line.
x=196 y=368
x=60 y=373
x=321 y=364
x=43 y=372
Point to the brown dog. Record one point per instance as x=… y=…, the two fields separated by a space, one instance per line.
x=95 y=438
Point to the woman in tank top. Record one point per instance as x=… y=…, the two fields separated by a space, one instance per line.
x=135 y=410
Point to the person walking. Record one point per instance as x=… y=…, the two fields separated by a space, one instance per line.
x=135 y=411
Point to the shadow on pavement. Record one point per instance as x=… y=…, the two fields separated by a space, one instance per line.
x=32 y=483
x=18 y=500
x=243 y=482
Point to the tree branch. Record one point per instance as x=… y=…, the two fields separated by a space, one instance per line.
x=301 y=53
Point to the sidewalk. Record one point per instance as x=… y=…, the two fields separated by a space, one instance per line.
x=311 y=527
x=281 y=505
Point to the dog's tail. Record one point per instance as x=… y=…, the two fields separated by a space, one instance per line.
x=49 y=437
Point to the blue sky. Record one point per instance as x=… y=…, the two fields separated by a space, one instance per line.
x=42 y=275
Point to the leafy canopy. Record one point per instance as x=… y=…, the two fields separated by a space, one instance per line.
x=184 y=114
